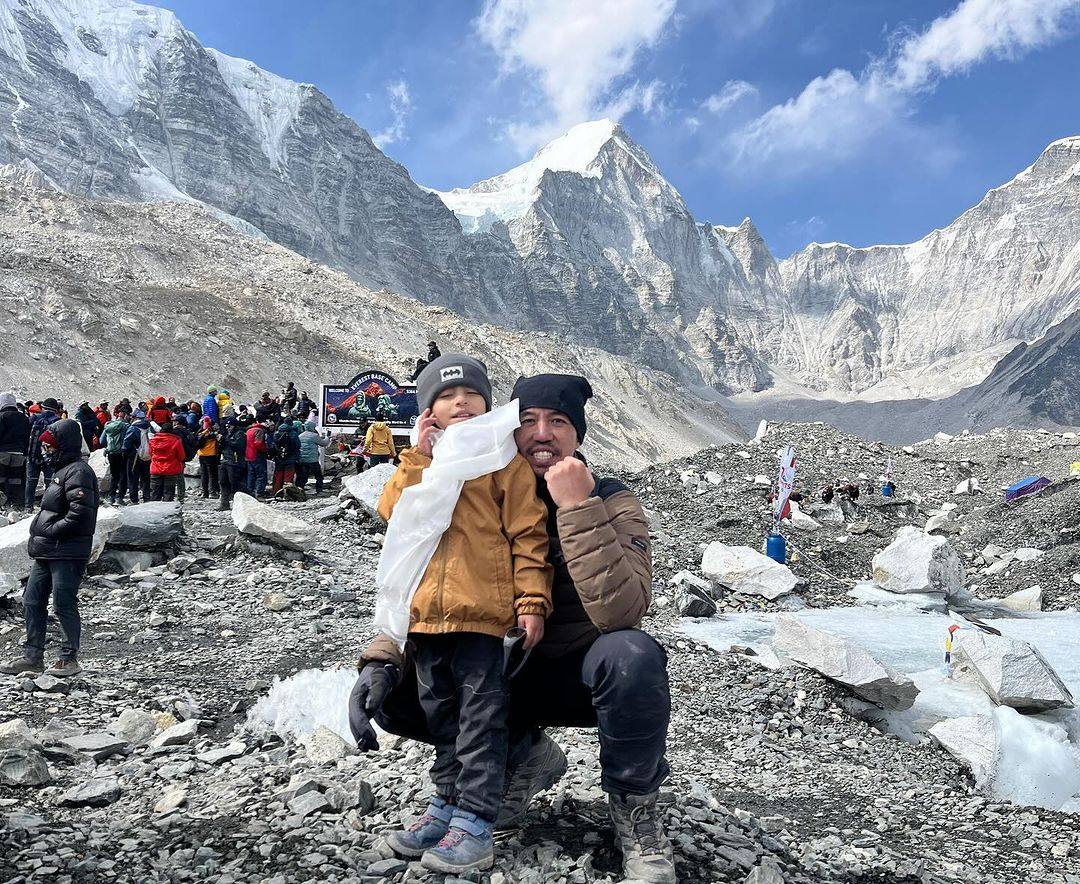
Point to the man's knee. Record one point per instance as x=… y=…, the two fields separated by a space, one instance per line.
x=626 y=657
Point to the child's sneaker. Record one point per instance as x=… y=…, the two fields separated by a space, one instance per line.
x=468 y=846
x=426 y=832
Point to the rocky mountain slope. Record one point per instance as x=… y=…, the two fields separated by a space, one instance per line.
x=1034 y=385
x=1004 y=271
x=112 y=98
x=117 y=99
x=600 y=232
x=106 y=299
x=883 y=322
x=1042 y=379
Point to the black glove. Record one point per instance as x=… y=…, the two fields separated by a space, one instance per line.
x=371 y=689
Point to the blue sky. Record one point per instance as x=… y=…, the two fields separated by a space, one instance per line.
x=862 y=121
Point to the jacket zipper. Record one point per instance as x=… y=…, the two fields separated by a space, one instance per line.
x=442 y=578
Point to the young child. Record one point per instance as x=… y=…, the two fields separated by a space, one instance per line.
x=488 y=574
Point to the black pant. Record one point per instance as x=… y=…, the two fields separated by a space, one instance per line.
x=376 y=459
x=618 y=684
x=13 y=478
x=164 y=487
x=59 y=578
x=208 y=474
x=313 y=470
x=118 y=475
x=462 y=691
x=140 y=479
x=33 y=473
x=231 y=480
x=256 y=477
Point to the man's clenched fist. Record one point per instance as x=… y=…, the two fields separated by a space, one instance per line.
x=569 y=482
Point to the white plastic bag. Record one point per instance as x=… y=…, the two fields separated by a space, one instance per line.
x=463 y=451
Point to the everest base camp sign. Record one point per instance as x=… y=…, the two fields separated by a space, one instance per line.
x=369 y=395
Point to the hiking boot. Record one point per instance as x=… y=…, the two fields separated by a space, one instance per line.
x=468 y=846
x=425 y=833
x=544 y=766
x=640 y=835
x=21 y=665
x=65 y=668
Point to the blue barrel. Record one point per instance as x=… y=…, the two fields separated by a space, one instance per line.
x=886 y=491
x=776 y=549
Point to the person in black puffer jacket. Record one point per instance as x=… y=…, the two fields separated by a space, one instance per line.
x=232 y=439
x=61 y=537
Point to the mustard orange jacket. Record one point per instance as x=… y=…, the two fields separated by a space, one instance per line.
x=491 y=564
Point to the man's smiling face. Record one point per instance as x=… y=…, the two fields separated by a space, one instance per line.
x=545 y=437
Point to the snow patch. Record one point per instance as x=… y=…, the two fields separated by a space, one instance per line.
x=110 y=44
x=296 y=706
x=11 y=39
x=155 y=186
x=509 y=196
x=270 y=102
x=1037 y=758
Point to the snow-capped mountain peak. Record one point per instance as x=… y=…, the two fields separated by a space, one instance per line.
x=110 y=45
x=582 y=151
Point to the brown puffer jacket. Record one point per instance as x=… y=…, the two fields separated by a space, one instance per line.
x=491 y=564
x=602 y=558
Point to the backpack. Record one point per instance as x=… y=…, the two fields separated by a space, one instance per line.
x=144 y=444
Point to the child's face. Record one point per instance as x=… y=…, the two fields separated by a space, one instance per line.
x=456 y=404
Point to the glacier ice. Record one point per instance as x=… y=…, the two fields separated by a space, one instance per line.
x=1037 y=756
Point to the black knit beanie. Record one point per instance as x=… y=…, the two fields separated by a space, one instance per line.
x=567 y=393
x=452 y=370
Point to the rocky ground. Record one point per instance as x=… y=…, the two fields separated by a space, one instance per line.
x=721 y=494
x=774 y=779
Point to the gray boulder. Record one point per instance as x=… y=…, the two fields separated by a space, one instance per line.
x=134 y=725
x=23 y=767
x=148 y=525
x=1011 y=671
x=125 y=561
x=972 y=740
x=366 y=487
x=93 y=793
x=261 y=520
x=696 y=602
x=841 y=661
x=746 y=571
x=14 y=562
x=98 y=746
x=15 y=734
x=918 y=562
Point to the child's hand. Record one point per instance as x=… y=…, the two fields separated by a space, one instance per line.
x=428 y=429
x=533 y=624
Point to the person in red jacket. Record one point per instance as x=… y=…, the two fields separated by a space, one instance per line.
x=160 y=412
x=256 y=454
x=166 y=463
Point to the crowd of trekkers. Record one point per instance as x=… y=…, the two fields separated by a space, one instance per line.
x=258 y=447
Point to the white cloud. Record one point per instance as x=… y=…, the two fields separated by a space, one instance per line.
x=731 y=94
x=401 y=106
x=841 y=113
x=579 y=52
x=977 y=29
